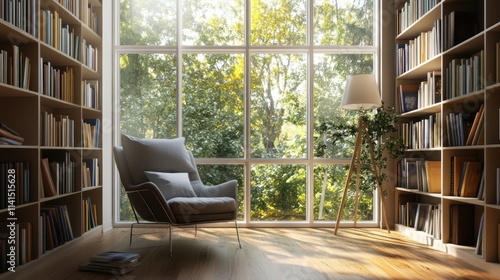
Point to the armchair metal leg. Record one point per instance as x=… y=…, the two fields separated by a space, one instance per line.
x=237 y=233
x=195 y=230
x=131 y=229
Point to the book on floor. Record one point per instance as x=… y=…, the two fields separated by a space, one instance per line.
x=112 y=262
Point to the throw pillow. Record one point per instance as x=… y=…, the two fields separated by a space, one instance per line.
x=160 y=155
x=172 y=184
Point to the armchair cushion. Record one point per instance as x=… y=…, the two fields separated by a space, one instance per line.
x=160 y=155
x=202 y=209
x=172 y=184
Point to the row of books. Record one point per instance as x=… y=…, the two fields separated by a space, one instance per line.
x=8 y=136
x=420 y=174
x=91 y=172
x=73 y=6
x=57 y=130
x=62 y=37
x=412 y=10
x=426 y=217
x=465 y=129
x=58 y=82
x=421 y=216
x=90 y=56
x=90 y=17
x=20 y=13
x=91 y=94
x=418 y=50
x=422 y=134
x=415 y=96
x=23 y=249
x=83 y=10
x=56 y=226
x=54 y=32
x=89 y=214
x=464 y=75
x=58 y=177
x=15 y=174
x=15 y=68
x=91 y=132
x=467 y=177
x=430 y=90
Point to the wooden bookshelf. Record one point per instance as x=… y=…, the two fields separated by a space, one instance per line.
x=59 y=77
x=468 y=60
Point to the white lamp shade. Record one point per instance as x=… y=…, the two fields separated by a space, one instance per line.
x=361 y=93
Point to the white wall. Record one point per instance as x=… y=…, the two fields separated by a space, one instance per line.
x=107 y=114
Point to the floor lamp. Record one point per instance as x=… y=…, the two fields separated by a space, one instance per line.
x=361 y=93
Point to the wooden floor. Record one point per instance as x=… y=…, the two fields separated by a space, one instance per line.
x=271 y=253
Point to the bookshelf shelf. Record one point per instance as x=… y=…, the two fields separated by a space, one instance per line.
x=421 y=70
x=467 y=213
x=419 y=192
x=24 y=99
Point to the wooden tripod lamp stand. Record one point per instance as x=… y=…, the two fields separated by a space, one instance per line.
x=361 y=93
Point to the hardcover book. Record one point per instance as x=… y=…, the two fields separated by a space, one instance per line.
x=471 y=179
x=408 y=97
x=115 y=257
x=433 y=173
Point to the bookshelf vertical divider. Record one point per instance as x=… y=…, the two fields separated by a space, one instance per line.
x=50 y=114
x=447 y=92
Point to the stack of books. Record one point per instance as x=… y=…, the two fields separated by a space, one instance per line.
x=113 y=262
x=8 y=136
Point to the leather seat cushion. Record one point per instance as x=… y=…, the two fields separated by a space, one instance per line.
x=203 y=209
x=201 y=205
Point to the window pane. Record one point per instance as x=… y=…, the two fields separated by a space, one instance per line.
x=213 y=22
x=278 y=22
x=213 y=115
x=126 y=214
x=278 y=192
x=332 y=138
x=212 y=175
x=343 y=22
x=278 y=105
x=329 y=184
x=148 y=95
x=148 y=22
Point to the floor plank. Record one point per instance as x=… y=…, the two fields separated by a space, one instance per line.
x=267 y=253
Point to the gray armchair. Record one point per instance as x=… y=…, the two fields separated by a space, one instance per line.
x=163 y=185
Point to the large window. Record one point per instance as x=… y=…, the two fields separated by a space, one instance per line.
x=249 y=84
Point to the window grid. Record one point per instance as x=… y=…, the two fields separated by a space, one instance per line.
x=310 y=162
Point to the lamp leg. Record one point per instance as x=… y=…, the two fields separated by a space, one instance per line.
x=356 y=158
x=357 y=149
x=358 y=180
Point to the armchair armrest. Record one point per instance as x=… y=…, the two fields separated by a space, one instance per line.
x=148 y=201
x=226 y=189
x=143 y=186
